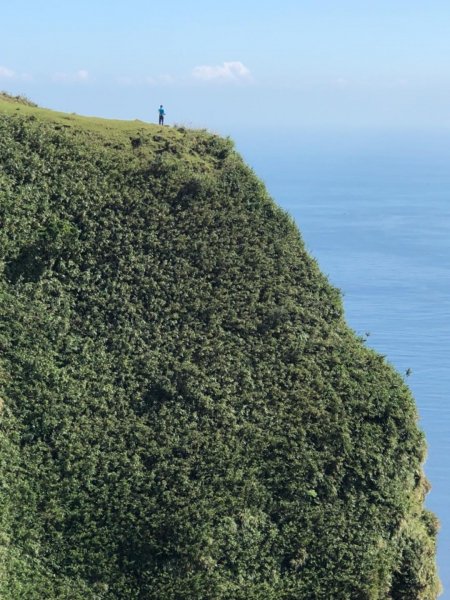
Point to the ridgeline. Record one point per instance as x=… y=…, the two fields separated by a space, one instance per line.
x=185 y=414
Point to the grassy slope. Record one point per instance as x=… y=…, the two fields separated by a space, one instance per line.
x=186 y=414
x=114 y=133
x=116 y=130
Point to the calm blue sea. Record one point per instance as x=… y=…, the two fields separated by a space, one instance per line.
x=375 y=212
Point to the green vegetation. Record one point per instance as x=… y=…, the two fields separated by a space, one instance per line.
x=185 y=414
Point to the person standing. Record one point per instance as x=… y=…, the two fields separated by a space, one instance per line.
x=162 y=114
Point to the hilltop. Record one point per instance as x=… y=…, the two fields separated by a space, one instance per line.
x=185 y=413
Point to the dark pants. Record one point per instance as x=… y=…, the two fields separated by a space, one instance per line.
x=161 y=119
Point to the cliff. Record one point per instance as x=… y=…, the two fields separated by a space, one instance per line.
x=184 y=412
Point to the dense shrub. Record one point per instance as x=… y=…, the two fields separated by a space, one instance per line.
x=185 y=414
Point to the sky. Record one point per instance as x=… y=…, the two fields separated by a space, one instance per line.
x=235 y=66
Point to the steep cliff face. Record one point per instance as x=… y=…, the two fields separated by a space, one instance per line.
x=184 y=412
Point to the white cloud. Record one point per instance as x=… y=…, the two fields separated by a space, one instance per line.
x=82 y=75
x=228 y=72
x=6 y=73
x=79 y=76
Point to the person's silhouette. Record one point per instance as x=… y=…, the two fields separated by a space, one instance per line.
x=162 y=114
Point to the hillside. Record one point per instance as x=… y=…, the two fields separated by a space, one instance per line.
x=185 y=414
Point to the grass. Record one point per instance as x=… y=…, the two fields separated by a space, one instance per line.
x=194 y=146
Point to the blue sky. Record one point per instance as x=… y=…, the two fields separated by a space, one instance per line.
x=291 y=65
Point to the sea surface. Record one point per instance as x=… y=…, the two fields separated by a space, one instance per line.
x=374 y=210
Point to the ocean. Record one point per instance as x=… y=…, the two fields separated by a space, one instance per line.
x=374 y=210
